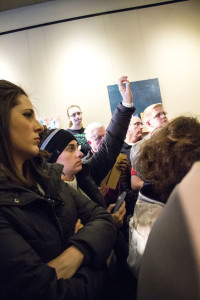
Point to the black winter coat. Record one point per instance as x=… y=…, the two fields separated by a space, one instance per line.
x=98 y=166
x=34 y=229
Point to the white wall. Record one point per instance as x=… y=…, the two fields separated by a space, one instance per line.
x=73 y=62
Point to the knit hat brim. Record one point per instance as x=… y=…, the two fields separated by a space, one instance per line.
x=56 y=142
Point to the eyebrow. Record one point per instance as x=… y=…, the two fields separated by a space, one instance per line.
x=29 y=109
x=73 y=145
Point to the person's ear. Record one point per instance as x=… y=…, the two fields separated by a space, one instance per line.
x=148 y=123
x=89 y=142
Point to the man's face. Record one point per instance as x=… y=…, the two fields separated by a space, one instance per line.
x=70 y=158
x=134 y=132
x=96 y=138
x=75 y=115
x=158 y=119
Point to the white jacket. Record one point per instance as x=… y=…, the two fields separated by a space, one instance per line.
x=145 y=213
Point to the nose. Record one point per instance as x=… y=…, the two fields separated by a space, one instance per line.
x=38 y=127
x=79 y=153
x=162 y=115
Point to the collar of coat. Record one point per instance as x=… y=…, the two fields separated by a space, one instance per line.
x=15 y=195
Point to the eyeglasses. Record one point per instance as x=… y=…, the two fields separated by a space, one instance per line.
x=158 y=115
x=97 y=138
x=137 y=124
x=78 y=113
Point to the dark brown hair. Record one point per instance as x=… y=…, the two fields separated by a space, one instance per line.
x=168 y=155
x=9 y=93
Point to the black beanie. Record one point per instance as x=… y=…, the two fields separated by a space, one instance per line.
x=56 y=142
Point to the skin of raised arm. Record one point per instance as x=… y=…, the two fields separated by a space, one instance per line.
x=67 y=263
x=125 y=91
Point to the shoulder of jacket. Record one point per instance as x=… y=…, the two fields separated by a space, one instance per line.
x=48 y=169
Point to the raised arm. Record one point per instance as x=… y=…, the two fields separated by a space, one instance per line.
x=125 y=90
x=103 y=160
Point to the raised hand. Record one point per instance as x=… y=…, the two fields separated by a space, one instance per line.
x=125 y=91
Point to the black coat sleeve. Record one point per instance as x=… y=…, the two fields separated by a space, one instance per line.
x=97 y=238
x=24 y=274
x=102 y=161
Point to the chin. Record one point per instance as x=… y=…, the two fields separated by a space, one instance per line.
x=35 y=153
x=164 y=123
x=77 y=170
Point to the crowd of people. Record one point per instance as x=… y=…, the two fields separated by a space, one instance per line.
x=60 y=237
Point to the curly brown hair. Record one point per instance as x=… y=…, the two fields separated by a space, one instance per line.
x=168 y=155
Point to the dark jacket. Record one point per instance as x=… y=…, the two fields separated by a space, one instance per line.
x=125 y=186
x=126 y=149
x=34 y=229
x=98 y=166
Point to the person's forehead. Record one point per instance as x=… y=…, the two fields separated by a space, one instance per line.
x=24 y=102
x=135 y=119
x=73 y=110
x=157 y=110
x=73 y=143
x=99 y=131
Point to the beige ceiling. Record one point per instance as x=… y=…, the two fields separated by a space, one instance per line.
x=12 y=4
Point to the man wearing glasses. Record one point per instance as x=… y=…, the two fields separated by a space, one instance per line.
x=134 y=134
x=76 y=128
x=154 y=117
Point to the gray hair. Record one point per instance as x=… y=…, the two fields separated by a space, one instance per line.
x=89 y=129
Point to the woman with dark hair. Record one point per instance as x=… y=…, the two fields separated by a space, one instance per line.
x=163 y=161
x=45 y=252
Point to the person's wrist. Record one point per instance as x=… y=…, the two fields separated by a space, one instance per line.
x=126 y=104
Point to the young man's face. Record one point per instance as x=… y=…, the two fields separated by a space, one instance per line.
x=71 y=159
x=75 y=116
x=96 y=138
x=158 y=119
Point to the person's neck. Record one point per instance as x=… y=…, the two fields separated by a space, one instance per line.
x=67 y=177
x=92 y=151
x=132 y=140
x=76 y=127
x=28 y=179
